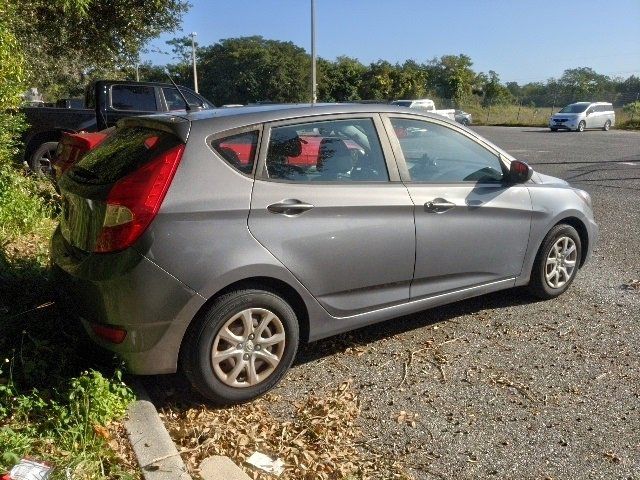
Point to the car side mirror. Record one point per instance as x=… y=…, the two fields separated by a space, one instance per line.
x=519 y=172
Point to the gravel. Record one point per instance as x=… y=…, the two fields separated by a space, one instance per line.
x=503 y=386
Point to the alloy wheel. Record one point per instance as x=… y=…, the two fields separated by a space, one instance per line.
x=561 y=262
x=248 y=347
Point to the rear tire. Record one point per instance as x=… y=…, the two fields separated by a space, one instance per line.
x=242 y=347
x=581 y=126
x=556 y=263
x=607 y=125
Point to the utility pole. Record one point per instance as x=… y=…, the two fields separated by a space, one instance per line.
x=314 y=84
x=193 y=58
x=137 y=71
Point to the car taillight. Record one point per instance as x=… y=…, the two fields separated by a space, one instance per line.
x=110 y=334
x=134 y=201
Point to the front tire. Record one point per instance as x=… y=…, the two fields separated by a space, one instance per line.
x=581 y=126
x=553 y=129
x=242 y=347
x=607 y=125
x=41 y=161
x=556 y=263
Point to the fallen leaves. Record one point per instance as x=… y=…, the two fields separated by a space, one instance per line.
x=319 y=442
x=407 y=418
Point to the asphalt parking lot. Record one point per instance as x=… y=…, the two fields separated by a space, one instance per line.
x=503 y=386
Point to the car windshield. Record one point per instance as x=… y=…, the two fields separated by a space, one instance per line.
x=575 y=108
x=401 y=103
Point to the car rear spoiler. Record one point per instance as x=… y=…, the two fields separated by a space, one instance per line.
x=178 y=126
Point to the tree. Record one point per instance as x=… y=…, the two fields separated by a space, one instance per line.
x=494 y=92
x=410 y=80
x=583 y=83
x=452 y=76
x=68 y=42
x=340 y=81
x=377 y=81
x=251 y=69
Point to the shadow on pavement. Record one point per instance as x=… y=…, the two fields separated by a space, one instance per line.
x=175 y=391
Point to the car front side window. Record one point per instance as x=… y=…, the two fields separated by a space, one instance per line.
x=438 y=154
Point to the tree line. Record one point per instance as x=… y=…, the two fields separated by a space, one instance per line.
x=254 y=69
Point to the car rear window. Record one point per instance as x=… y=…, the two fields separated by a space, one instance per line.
x=239 y=150
x=133 y=97
x=123 y=152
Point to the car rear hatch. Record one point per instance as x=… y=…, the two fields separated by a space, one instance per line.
x=113 y=193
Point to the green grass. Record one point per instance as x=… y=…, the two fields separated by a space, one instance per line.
x=526 y=116
x=56 y=405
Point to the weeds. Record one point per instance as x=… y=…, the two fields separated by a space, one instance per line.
x=56 y=405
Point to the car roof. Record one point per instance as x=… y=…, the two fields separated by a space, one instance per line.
x=268 y=113
x=591 y=103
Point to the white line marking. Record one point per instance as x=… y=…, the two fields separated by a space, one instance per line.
x=629 y=163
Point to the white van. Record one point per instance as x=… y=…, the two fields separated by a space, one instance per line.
x=582 y=115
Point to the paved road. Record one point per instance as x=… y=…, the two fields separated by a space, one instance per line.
x=503 y=386
x=508 y=387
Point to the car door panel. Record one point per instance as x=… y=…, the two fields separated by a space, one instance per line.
x=482 y=239
x=353 y=250
x=470 y=231
x=350 y=243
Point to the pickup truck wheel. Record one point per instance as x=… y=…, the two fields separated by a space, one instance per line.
x=41 y=162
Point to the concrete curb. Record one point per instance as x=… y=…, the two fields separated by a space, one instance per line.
x=157 y=455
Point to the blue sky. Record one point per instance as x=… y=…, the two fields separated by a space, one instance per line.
x=522 y=40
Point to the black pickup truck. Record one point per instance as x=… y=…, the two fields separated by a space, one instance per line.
x=106 y=102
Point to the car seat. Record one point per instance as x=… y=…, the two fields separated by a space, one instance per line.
x=334 y=160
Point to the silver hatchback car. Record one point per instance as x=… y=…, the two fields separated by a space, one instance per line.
x=582 y=115
x=219 y=241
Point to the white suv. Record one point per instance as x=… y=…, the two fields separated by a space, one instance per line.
x=582 y=115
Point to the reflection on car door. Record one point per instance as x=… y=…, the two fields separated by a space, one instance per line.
x=342 y=223
x=593 y=117
x=471 y=228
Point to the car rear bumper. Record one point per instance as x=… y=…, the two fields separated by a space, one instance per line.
x=128 y=291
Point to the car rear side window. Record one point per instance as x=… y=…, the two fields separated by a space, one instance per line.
x=327 y=151
x=123 y=152
x=239 y=150
x=176 y=102
x=133 y=97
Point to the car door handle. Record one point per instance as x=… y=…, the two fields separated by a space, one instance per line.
x=289 y=207
x=438 y=205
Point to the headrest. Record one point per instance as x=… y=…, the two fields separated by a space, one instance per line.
x=285 y=143
x=331 y=147
x=334 y=156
